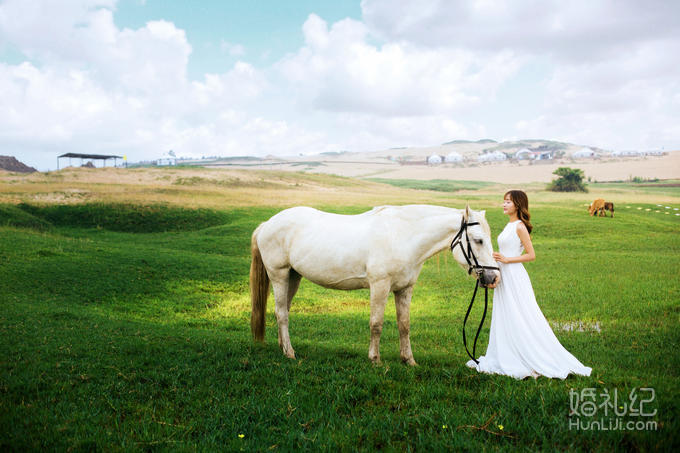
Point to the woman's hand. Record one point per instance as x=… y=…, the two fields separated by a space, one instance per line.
x=500 y=258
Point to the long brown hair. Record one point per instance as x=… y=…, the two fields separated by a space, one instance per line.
x=521 y=202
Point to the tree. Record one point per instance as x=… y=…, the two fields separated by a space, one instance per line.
x=570 y=180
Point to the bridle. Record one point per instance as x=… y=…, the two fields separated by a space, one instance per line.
x=470 y=257
x=469 y=254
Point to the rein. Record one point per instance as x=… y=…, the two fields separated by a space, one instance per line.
x=469 y=253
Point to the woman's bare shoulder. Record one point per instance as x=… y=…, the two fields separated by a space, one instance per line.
x=521 y=227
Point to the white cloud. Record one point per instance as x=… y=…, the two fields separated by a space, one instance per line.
x=339 y=70
x=47 y=106
x=628 y=100
x=613 y=79
x=56 y=31
x=243 y=82
x=82 y=35
x=90 y=87
x=579 y=30
x=407 y=74
x=367 y=132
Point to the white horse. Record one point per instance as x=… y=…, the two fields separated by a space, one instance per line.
x=383 y=249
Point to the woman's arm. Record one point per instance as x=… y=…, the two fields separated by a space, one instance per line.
x=530 y=255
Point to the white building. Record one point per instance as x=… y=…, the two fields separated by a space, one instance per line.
x=166 y=160
x=583 y=153
x=523 y=154
x=625 y=153
x=453 y=157
x=434 y=160
x=492 y=157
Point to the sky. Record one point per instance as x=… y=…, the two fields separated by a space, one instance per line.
x=232 y=78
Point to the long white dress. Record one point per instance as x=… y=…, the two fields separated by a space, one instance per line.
x=521 y=342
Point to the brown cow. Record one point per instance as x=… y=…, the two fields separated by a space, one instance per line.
x=596 y=206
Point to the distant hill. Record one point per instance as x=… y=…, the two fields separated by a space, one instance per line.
x=10 y=163
x=461 y=142
x=532 y=144
x=468 y=149
x=471 y=148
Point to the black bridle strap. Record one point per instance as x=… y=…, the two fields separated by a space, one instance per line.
x=458 y=241
x=479 y=329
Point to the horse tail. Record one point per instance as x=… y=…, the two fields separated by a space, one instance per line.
x=259 y=290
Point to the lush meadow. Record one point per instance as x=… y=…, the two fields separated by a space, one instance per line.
x=125 y=326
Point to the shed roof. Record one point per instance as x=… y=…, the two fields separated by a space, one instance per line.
x=91 y=156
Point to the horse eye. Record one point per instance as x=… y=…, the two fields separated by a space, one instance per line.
x=479 y=241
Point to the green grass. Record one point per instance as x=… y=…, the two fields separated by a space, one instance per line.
x=120 y=331
x=656 y=187
x=439 y=185
x=114 y=217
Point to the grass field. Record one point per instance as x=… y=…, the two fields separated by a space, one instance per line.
x=125 y=326
x=439 y=185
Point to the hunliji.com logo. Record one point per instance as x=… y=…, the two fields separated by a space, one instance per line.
x=606 y=411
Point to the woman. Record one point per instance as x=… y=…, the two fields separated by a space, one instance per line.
x=521 y=342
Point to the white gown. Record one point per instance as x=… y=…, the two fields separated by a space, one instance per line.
x=521 y=342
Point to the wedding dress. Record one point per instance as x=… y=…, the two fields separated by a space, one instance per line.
x=521 y=342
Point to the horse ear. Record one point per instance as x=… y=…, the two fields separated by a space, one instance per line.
x=483 y=213
x=466 y=214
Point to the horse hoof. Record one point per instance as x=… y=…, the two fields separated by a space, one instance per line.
x=410 y=362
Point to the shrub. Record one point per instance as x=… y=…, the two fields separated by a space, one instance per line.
x=640 y=179
x=570 y=180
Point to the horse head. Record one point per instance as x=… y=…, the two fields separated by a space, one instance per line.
x=476 y=252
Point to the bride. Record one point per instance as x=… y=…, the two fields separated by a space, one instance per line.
x=521 y=342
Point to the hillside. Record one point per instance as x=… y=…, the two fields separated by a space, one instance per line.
x=467 y=148
x=203 y=187
x=410 y=163
x=221 y=188
x=10 y=163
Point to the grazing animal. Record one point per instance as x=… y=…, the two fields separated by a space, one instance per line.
x=608 y=206
x=596 y=206
x=383 y=249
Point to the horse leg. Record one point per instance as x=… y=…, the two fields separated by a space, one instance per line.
x=293 y=285
x=280 y=283
x=402 y=300
x=379 y=292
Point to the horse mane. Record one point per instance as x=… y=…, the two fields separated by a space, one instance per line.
x=377 y=209
x=481 y=218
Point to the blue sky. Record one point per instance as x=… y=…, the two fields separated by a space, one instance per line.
x=261 y=78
